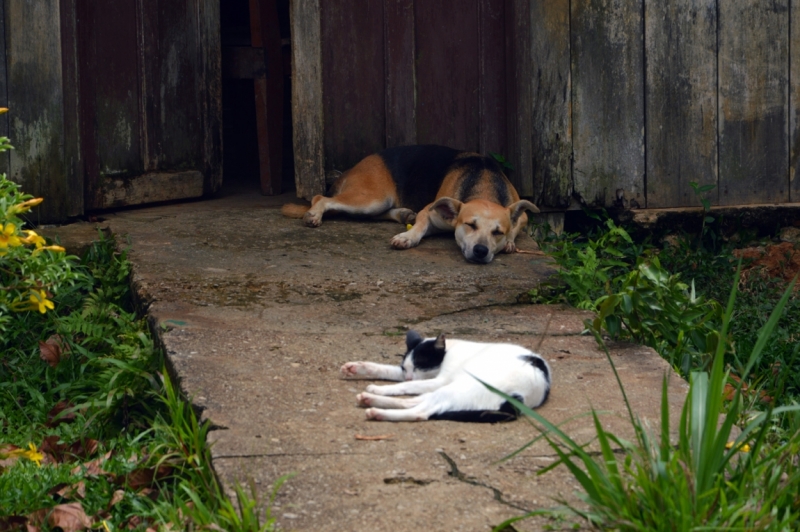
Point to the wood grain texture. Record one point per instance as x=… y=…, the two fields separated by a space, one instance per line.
x=307 y=109
x=551 y=103
x=519 y=94
x=210 y=93
x=608 y=101
x=447 y=73
x=4 y=157
x=353 y=81
x=73 y=162
x=681 y=92
x=753 y=101
x=493 y=111
x=35 y=97
x=401 y=112
x=794 y=102
x=152 y=187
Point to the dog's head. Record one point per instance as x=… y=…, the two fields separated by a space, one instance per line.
x=482 y=227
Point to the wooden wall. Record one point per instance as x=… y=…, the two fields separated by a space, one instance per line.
x=609 y=101
x=111 y=102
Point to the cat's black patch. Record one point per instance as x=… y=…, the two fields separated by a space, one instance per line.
x=506 y=412
x=413 y=339
x=538 y=363
x=428 y=356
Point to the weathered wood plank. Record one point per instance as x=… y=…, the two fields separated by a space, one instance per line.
x=152 y=188
x=519 y=85
x=753 y=101
x=69 y=64
x=35 y=97
x=447 y=73
x=353 y=81
x=493 y=111
x=307 y=109
x=401 y=112
x=608 y=101
x=210 y=93
x=681 y=94
x=551 y=103
x=4 y=157
x=794 y=102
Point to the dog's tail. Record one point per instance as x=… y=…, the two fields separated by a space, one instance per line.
x=293 y=210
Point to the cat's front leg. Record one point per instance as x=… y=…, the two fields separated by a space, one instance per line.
x=371 y=370
x=407 y=387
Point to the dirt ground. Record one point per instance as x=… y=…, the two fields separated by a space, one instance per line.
x=257 y=313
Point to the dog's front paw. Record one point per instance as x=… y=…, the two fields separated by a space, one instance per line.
x=511 y=247
x=312 y=219
x=351 y=369
x=404 y=241
x=373 y=413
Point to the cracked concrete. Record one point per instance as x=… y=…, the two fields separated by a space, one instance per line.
x=257 y=313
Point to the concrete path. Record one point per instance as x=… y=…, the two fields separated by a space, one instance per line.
x=257 y=313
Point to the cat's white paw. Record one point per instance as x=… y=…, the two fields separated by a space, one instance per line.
x=363 y=399
x=376 y=389
x=351 y=369
x=373 y=413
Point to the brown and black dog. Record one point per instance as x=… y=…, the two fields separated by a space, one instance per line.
x=456 y=191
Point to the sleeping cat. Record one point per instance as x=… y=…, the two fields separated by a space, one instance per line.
x=443 y=374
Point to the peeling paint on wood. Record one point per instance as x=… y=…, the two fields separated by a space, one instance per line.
x=552 y=103
x=753 y=101
x=608 y=100
x=152 y=188
x=681 y=92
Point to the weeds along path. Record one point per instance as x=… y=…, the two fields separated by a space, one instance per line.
x=257 y=313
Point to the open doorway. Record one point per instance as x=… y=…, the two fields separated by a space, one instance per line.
x=256 y=96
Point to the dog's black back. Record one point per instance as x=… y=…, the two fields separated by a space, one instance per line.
x=418 y=173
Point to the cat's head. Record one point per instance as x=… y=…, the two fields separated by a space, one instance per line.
x=423 y=356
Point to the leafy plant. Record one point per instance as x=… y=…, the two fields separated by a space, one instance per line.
x=708 y=480
x=701 y=193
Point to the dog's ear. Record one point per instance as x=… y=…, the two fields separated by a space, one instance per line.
x=448 y=208
x=439 y=344
x=515 y=210
x=413 y=339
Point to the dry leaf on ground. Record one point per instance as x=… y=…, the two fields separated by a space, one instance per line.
x=68 y=517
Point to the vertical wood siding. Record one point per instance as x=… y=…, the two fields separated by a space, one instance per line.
x=612 y=102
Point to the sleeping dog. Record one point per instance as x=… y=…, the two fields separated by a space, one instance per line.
x=438 y=189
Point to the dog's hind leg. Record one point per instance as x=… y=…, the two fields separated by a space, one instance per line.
x=382 y=401
x=400 y=215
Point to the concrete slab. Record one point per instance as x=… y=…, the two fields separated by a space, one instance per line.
x=257 y=313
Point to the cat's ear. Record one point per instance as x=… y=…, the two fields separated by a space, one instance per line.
x=413 y=339
x=439 y=344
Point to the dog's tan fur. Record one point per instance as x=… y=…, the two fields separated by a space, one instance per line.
x=483 y=226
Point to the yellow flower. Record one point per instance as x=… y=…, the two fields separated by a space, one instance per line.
x=30 y=453
x=33 y=238
x=39 y=301
x=8 y=236
x=3 y=110
x=25 y=206
x=744 y=448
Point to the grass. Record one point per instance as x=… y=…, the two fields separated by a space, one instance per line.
x=91 y=427
x=743 y=367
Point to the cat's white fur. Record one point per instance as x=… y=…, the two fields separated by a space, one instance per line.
x=453 y=386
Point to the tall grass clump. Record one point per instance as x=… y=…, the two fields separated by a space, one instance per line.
x=707 y=479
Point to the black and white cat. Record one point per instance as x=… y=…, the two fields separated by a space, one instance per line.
x=443 y=374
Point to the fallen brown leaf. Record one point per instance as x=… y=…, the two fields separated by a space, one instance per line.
x=12 y=522
x=93 y=468
x=53 y=350
x=68 y=517
x=364 y=437
x=144 y=477
x=69 y=491
x=116 y=498
x=5 y=459
x=54 y=416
